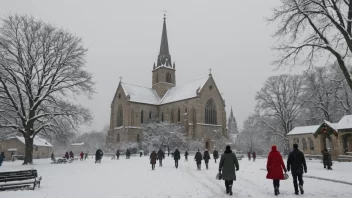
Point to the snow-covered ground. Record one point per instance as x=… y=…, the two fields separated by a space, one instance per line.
x=134 y=178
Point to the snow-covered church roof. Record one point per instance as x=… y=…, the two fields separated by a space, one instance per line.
x=345 y=122
x=185 y=91
x=149 y=96
x=141 y=94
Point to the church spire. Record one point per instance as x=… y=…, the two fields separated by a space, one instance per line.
x=231 y=114
x=164 y=57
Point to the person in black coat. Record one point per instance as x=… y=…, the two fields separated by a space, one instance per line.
x=215 y=155
x=186 y=155
x=128 y=154
x=98 y=156
x=117 y=154
x=326 y=159
x=161 y=156
x=206 y=158
x=297 y=164
x=198 y=157
x=177 y=157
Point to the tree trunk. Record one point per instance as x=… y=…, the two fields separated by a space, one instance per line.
x=28 y=156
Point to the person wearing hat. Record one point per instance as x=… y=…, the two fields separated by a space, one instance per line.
x=274 y=166
x=228 y=166
x=297 y=163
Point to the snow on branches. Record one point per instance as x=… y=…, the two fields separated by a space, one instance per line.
x=40 y=68
x=312 y=29
x=157 y=134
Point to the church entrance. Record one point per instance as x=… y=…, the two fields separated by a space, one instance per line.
x=207 y=145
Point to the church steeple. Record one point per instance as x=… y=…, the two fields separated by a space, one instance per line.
x=231 y=114
x=232 y=124
x=164 y=57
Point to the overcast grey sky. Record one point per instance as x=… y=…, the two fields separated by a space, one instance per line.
x=123 y=37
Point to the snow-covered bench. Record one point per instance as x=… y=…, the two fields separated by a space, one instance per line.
x=19 y=179
x=59 y=161
x=344 y=158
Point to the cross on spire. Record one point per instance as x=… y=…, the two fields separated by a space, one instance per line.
x=210 y=71
x=120 y=78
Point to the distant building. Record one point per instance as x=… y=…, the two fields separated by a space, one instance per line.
x=197 y=105
x=336 y=137
x=78 y=147
x=16 y=146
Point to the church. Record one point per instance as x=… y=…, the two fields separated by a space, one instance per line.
x=197 y=105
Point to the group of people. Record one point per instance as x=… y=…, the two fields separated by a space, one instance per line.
x=254 y=155
x=160 y=155
x=206 y=157
x=128 y=154
x=296 y=163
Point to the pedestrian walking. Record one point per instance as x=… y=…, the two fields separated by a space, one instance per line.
x=327 y=159
x=198 y=157
x=186 y=156
x=215 y=155
x=161 y=156
x=85 y=156
x=128 y=153
x=227 y=167
x=2 y=157
x=67 y=156
x=177 y=156
x=81 y=155
x=52 y=156
x=249 y=156
x=168 y=151
x=274 y=166
x=98 y=156
x=118 y=154
x=206 y=158
x=254 y=155
x=71 y=155
x=152 y=158
x=297 y=164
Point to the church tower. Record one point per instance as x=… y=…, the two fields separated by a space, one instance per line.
x=232 y=125
x=164 y=71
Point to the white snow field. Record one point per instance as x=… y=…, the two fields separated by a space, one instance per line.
x=134 y=178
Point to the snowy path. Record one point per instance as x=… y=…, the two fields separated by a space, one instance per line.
x=134 y=178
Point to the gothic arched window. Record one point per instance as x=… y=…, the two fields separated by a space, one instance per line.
x=118 y=137
x=157 y=78
x=311 y=144
x=162 y=116
x=178 y=115
x=168 y=77
x=142 y=113
x=172 y=116
x=137 y=137
x=150 y=114
x=304 y=143
x=210 y=112
x=119 y=116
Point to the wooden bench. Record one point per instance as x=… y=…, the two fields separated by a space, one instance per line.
x=19 y=179
x=344 y=158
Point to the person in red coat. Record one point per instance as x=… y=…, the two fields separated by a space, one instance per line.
x=82 y=154
x=274 y=166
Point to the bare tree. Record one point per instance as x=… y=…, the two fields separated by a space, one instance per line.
x=279 y=103
x=320 y=95
x=254 y=136
x=311 y=29
x=41 y=67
